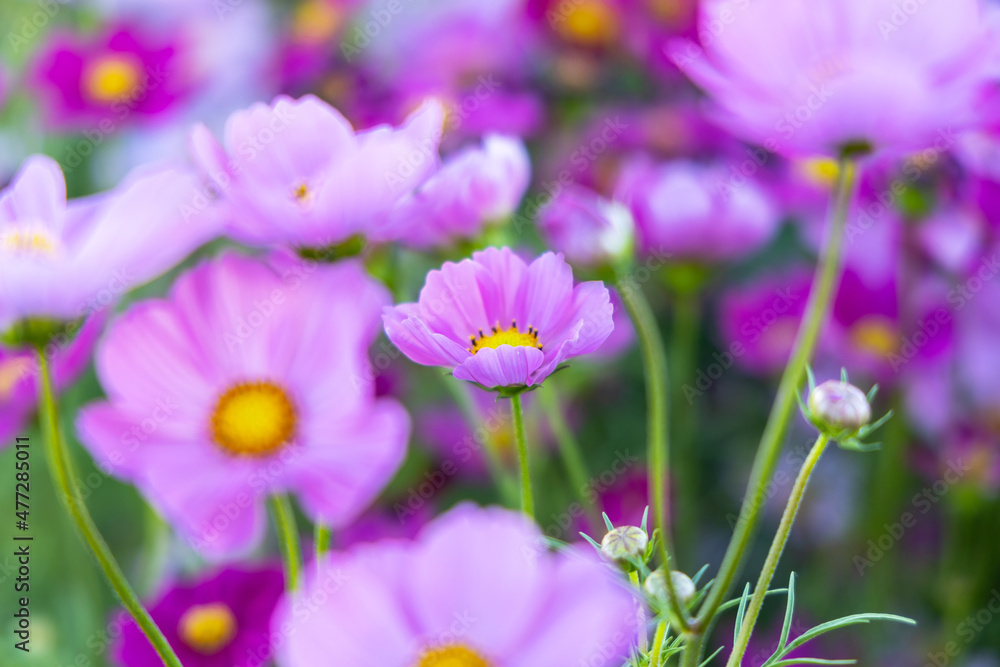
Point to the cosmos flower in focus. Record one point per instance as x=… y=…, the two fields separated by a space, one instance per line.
x=817 y=78
x=500 y=322
x=696 y=212
x=296 y=172
x=64 y=260
x=474 y=187
x=249 y=379
x=476 y=589
x=104 y=79
x=219 y=621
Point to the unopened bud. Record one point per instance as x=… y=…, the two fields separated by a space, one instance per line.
x=840 y=406
x=656 y=586
x=624 y=543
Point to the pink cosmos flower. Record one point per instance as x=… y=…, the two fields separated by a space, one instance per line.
x=248 y=379
x=805 y=77
x=64 y=261
x=474 y=187
x=477 y=589
x=500 y=322
x=109 y=77
x=588 y=229
x=296 y=172
x=696 y=212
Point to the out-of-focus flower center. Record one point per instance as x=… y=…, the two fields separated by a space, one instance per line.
x=589 y=22
x=315 y=21
x=511 y=336
x=454 y=655
x=31 y=241
x=111 y=77
x=12 y=371
x=207 y=628
x=303 y=194
x=823 y=171
x=876 y=335
x=253 y=419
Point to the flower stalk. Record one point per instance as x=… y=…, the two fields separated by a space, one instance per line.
x=527 y=498
x=288 y=536
x=69 y=492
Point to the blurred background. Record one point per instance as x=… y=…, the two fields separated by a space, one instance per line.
x=106 y=85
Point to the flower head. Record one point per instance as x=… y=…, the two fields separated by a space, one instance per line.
x=500 y=322
x=476 y=589
x=625 y=542
x=214 y=622
x=587 y=228
x=249 y=379
x=64 y=261
x=840 y=406
x=296 y=171
x=807 y=78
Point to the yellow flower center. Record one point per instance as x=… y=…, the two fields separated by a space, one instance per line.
x=12 y=371
x=454 y=655
x=207 y=628
x=875 y=334
x=511 y=336
x=111 y=77
x=32 y=241
x=315 y=21
x=590 y=22
x=253 y=419
x=821 y=170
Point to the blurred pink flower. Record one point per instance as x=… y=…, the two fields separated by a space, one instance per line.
x=588 y=229
x=248 y=380
x=499 y=322
x=695 y=211
x=477 y=587
x=65 y=261
x=816 y=77
x=474 y=187
x=296 y=172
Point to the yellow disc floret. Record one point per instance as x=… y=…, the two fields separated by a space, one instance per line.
x=253 y=419
x=207 y=628
x=111 y=78
x=510 y=336
x=454 y=655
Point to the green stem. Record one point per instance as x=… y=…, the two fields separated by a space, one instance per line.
x=692 y=650
x=777 y=548
x=655 y=658
x=683 y=355
x=640 y=615
x=65 y=479
x=288 y=536
x=655 y=369
x=771 y=441
x=324 y=540
x=569 y=449
x=527 y=499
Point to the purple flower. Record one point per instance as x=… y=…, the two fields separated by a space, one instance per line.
x=474 y=187
x=694 y=211
x=500 y=322
x=296 y=172
x=88 y=81
x=818 y=77
x=219 y=621
x=478 y=587
x=64 y=261
x=249 y=379
x=588 y=229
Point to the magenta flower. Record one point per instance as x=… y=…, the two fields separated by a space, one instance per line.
x=218 y=621
x=65 y=261
x=818 y=77
x=696 y=212
x=588 y=229
x=478 y=588
x=109 y=77
x=500 y=322
x=249 y=379
x=476 y=186
x=296 y=172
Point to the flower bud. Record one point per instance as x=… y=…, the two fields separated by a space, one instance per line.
x=840 y=406
x=624 y=543
x=656 y=586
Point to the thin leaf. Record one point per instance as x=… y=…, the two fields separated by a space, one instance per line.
x=739 y=614
x=698 y=574
x=811 y=661
x=735 y=601
x=812 y=377
x=607 y=522
x=789 y=610
x=872 y=393
x=855 y=619
x=591 y=540
x=709 y=659
x=645 y=515
x=843 y=374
